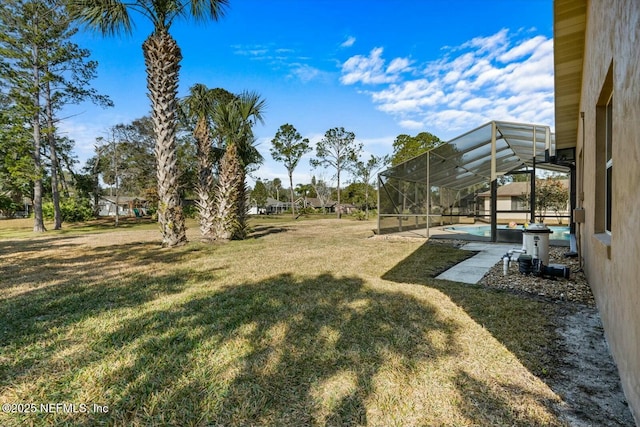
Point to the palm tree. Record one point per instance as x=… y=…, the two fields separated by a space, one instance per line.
x=303 y=190
x=197 y=111
x=162 y=59
x=235 y=121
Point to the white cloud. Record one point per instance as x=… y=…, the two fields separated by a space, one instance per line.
x=476 y=104
x=398 y=65
x=350 y=41
x=371 y=69
x=280 y=58
x=364 y=69
x=411 y=124
x=502 y=76
x=251 y=51
x=523 y=49
x=490 y=45
x=84 y=134
x=420 y=92
x=305 y=72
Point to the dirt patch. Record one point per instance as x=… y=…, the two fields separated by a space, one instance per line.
x=584 y=373
x=586 y=377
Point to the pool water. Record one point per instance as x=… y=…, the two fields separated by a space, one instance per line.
x=559 y=232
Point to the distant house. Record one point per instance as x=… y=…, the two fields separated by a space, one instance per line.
x=514 y=197
x=329 y=206
x=344 y=208
x=127 y=206
x=276 y=206
x=314 y=203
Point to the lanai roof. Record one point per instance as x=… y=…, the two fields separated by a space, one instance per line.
x=479 y=156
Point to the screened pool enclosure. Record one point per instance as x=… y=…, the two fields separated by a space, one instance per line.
x=442 y=185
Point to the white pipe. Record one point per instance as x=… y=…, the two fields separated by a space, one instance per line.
x=512 y=252
x=505 y=264
x=517 y=251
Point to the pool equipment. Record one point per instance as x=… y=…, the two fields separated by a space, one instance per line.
x=533 y=258
x=535 y=240
x=525 y=264
x=530 y=265
x=551 y=270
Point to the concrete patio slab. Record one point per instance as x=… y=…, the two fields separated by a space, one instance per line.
x=473 y=269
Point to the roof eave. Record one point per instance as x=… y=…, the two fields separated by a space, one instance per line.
x=569 y=19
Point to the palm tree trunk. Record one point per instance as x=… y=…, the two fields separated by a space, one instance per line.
x=241 y=230
x=226 y=196
x=162 y=59
x=206 y=207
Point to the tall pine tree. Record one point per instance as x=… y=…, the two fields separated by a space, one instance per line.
x=43 y=71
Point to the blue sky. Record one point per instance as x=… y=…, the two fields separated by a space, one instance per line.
x=378 y=68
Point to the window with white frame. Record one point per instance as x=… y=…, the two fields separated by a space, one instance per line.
x=519 y=203
x=604 y=157
x=609 y=163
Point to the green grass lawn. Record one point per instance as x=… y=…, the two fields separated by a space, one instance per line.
x=305 y=323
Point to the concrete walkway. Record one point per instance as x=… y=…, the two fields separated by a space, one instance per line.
x=473 y=269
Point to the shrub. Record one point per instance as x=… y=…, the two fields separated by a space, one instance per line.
x=72 y=210
x=306 y=211
x=359 y=215
x=189 y=211
x=8 y=207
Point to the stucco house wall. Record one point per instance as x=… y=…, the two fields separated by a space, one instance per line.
x=504 y=204
x=612 y=260
x=126 y=205
x=520 y=190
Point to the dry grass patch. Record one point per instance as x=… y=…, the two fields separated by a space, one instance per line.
x=305 y=323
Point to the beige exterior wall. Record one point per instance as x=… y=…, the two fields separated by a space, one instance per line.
x=612 y=262
x=504 y=204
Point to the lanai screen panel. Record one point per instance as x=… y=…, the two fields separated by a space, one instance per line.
x=460 y=164
x=466 y=160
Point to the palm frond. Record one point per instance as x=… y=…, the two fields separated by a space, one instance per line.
x=110 y=17
x=208 y=9
x=251 y=106
x=199 y=103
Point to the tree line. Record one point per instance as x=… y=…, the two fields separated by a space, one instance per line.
x=42 y=70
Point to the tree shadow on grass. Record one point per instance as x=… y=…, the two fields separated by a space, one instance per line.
x=68 y=263
x=522 y=324
x=265 y=230
x=42 y=317
x=46 y=296
x=486 y=404
x=18 y=246
x=279 y=346
x=284 y=351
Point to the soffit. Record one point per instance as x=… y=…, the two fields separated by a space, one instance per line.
x=569 y=24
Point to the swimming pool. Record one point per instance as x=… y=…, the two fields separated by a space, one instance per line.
x=559 y=232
